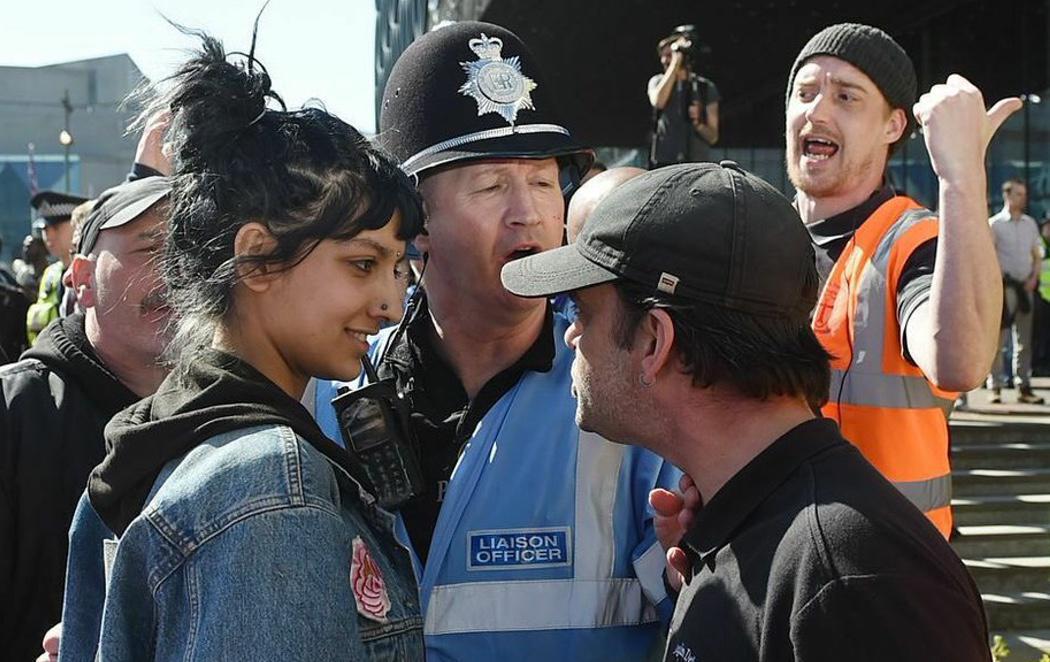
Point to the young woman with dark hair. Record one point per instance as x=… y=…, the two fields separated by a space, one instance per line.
x=243 y=534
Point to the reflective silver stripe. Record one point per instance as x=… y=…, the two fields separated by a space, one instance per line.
x=928 y=494
x=597 y=476
x=558 y=604
x=908 y=219
x=488 y=134
x=650 y=570
x=869 y=322
x=882 y=390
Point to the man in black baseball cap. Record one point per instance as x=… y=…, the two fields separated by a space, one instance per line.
x=56 y=400
x=694 y=285
x=541 y=545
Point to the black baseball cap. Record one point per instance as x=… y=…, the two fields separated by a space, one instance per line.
x=121 y=205
x=705 y=232
x=468 y=91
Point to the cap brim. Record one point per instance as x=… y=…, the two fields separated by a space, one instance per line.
x=514 y=146
x=134 y=210
x=551 y=272
x=145 y=193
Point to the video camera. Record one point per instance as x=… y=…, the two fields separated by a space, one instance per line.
x=688 y=39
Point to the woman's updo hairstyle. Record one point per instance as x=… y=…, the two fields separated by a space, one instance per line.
x=305 y=174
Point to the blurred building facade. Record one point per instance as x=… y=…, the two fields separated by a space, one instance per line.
x=600 y=54
x=34 y=111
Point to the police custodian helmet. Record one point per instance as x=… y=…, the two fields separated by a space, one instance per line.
x=469 y=91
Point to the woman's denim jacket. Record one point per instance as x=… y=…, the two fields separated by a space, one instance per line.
x=245 y=551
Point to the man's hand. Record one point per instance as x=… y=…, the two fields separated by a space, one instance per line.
x=51 y=641
x=695 y=113
x=152 y=150
x=956 y=127
x=681 y=45
x=674 y=516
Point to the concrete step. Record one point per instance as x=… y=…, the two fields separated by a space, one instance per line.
x=1025 y=645
x=971 y=482
x=1001 y=509
x=977 y=542
x=1011 y=573
x=1020 y=610
x=1005 y=455
x=991 y=431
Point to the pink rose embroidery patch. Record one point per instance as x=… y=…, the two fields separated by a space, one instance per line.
x=368 y=585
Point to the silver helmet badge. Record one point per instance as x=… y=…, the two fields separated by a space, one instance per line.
x=496 y=84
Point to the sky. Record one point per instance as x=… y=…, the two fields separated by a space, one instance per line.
x=313 y=49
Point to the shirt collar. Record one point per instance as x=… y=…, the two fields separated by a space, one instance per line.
x=717 y=522
x=418 y=346
x=839 y=226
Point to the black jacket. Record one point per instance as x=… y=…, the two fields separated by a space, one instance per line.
x=56 y=402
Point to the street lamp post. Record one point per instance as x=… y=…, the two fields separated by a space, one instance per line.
x=65 y=138
x=1028 y=99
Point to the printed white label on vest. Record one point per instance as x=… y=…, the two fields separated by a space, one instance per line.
x=519 y=549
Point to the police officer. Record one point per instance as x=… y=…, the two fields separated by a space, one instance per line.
x=55 y=210
x=540 y=545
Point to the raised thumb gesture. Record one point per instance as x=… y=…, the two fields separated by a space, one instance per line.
x=956 y=127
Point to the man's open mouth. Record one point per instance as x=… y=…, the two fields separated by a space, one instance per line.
x=819 y=148
x=524 y=251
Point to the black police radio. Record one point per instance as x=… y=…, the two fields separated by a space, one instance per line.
x=375 y=426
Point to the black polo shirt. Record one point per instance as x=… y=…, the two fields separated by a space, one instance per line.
x=443 y=417
x=808 y=553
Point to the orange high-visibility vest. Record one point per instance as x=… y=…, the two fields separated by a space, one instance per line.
x=885 y=405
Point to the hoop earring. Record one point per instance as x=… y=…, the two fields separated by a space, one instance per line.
x=645 y=384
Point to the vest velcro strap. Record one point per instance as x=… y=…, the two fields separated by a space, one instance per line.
x=885 y=391
x=928 y=494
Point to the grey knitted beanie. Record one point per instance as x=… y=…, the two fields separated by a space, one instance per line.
x=872 y=51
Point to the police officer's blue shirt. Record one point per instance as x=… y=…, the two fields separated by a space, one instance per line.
x=544 y=546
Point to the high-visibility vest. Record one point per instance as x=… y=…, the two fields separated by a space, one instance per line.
x=49 y=298
x=885 y=405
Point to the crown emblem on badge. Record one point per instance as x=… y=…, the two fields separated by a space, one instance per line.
x=496 y=83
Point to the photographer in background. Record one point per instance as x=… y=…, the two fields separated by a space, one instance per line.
x=685 y=104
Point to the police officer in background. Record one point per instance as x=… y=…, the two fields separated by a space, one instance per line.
x=685 y=104
x=541 y=545
x=56 y=210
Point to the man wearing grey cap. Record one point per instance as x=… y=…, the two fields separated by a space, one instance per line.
x=56 y=400
x=694 y=285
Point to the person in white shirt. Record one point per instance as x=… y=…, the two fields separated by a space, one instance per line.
x=1020 y=251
